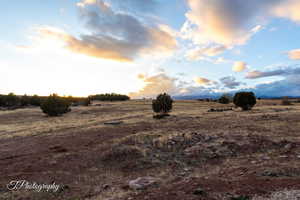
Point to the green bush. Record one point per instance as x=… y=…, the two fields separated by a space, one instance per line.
x=285 y=101
x=2 y=100
x=87 y=101
x=35 y=100
x=224 y=99
x=11 y=100
x=55 y=105
x=162 y=104
x=110 y=97
x=245 y=100
x=25 y=100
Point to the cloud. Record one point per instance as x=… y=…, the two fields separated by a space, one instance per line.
x=279 y=72
x=83 y=3
x=115 y=35
x=287 y=9
x=141 y=76
x=233 y=22
x=221 y=22
x=239 y=66
x=136 y=5
x=202 y=81
x=290 y=86
x=157 y=84
x=106 y=48
x=230 y=82
x=203 y=52
x=294 y=54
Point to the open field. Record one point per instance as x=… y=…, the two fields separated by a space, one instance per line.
x=223 y=154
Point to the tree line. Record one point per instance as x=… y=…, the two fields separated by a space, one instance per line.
x=12 y=100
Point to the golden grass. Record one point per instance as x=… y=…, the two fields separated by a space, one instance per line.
x=32 y=121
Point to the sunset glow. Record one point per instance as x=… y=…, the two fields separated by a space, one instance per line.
x=183 y=47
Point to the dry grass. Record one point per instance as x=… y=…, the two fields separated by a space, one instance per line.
x=146 y=146
x=282 y=195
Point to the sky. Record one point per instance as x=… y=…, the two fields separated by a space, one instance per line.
x=146 y=47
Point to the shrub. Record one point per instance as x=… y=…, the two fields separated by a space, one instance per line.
x=87 y=101
x=55 y=105
x=224 y=99
x=245 y=100
x=110 y=97
x=11 y=100
x=25 y=100
x=162 y=104
x=35 y=100
x=122 y=152
x=2 y=100
x=285 y=101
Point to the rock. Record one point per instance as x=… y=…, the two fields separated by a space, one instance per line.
x=283 y=156
x=113 y=123
x=143 y=183
x=199 y=191
x=270 y=173
x=288 y=146
x=106 y=186
x=203 y=152
x=266 y=158
x=240 y=198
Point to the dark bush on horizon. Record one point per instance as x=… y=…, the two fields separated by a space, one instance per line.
x=10 y=100
x=25 y=100
x=245 y=100
x=55 y=105
x=224 y=99
x=162 y=104
x=109 y=97
x=285 y=101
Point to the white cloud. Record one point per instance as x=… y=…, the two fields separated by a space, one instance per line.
x=116 y=35
x=239 y=66
x=202 y=81
x=232 y=22
x=155 y=85
x=287 y=9
x=286 y=71
x=201 y=53
x=294 y=54
x=230 y=82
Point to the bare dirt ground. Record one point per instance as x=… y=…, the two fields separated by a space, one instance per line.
x=221 y=154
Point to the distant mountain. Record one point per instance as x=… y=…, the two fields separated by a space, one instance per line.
x=216 y=96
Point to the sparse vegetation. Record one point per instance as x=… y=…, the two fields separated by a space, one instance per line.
x=121 y=153
x=25 y=100
x=162 y=105
x=241 y=198
x=87 y=101
x=285 y=101
x=245 y=100
x=55 y=105
x=109 y=97
x=35 y=100
x=224 y=99
x=9 y=100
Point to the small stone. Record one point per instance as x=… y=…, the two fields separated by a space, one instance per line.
x=106 y=186
x=113 y=123
x=199 y=191
x=266 y=158
x=283 y=156
x=142 y=183
x=288 y=146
